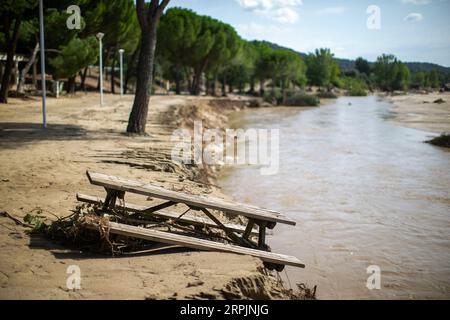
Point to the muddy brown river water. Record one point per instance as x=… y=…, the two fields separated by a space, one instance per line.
x=363 y=190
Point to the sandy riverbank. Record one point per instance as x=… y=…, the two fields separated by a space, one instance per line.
x=419 y=111
x=46 y=168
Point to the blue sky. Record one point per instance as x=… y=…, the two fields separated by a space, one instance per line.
x=413 y=30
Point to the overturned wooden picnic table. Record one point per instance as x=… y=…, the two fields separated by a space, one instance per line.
x=263 y=219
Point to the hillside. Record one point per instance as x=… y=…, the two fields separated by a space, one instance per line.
x=347 y=64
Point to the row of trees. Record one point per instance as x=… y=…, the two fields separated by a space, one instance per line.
x=191 y=50
x=388 y=73
x=69 y=52
x=190 y=45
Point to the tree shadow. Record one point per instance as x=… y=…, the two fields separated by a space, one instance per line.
x=61 y=251
x=14 y=134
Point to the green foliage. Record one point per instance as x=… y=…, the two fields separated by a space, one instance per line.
x=391 y=74
x=355 y=87
x=237 y=75
x=76 y=55
x=441 y=141
x=363 y=66
x=17 y=7
x=427 y=80
x=120 y=25
x=326 y=95
x=296 y=99
x=322 y=70
x=274 y=96
x=56 y=32
x=197 y=42
x=291 y=98
x=36 y=220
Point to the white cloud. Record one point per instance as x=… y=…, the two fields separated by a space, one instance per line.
x=257 y=31
x=283 y=11
x=414 y=17
x=332 y=11
x=417 y=2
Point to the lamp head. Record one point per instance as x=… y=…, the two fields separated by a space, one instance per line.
x=100 y=35
x=121 y=51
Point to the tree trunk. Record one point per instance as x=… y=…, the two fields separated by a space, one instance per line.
x=27 y=68
x=252 y=86
x=34 y=75
x=148 y=17
x=71 y=85
x=83 y=79
x=261 y=87
x=11 y=43
x=195 y=90
x=224 y=86
x=138 y=116
x=130 y=69
x=178 y=85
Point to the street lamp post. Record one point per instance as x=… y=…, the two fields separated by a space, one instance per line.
x=42 y=48
x=99 y=37
x=121 y=51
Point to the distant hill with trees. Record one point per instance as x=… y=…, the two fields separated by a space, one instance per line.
x=348 y=64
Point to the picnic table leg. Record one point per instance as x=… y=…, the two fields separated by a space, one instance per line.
x=111 y=198
x=248 y=229
x=262 y=236
x=107 y=199
x=227 y=231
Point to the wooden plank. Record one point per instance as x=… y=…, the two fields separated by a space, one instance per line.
x=199 y=244
x=150 y=190
x=188 y=219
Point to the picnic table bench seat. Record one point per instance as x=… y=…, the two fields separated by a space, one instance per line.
x=116 y=187
x=166 y=215
x=280 y=260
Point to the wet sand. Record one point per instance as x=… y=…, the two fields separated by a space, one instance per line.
x=419 y=111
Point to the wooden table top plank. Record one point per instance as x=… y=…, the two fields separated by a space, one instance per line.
x=201 y=201
x=190 y=219
x=199 y=244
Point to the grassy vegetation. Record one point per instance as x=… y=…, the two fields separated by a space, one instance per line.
x=302 y=100
x=291 y=99
x=355 y=87
x=326 y=95
x=442 y=141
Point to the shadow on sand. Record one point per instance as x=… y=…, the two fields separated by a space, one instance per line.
x=61 y=251
x=13 y=134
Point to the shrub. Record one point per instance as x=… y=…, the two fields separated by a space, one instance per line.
x=357 y=92
x=355 y=87
x=326 y=95
x=442 y=141
x=293 y=99
x=274 y=97
x=302 y=100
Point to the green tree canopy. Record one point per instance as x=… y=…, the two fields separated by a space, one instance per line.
x=322 y=68
x=363 y=66
x=391 y=74
x=76 y=55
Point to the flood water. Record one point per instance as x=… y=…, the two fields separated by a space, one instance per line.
x=363 y=191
